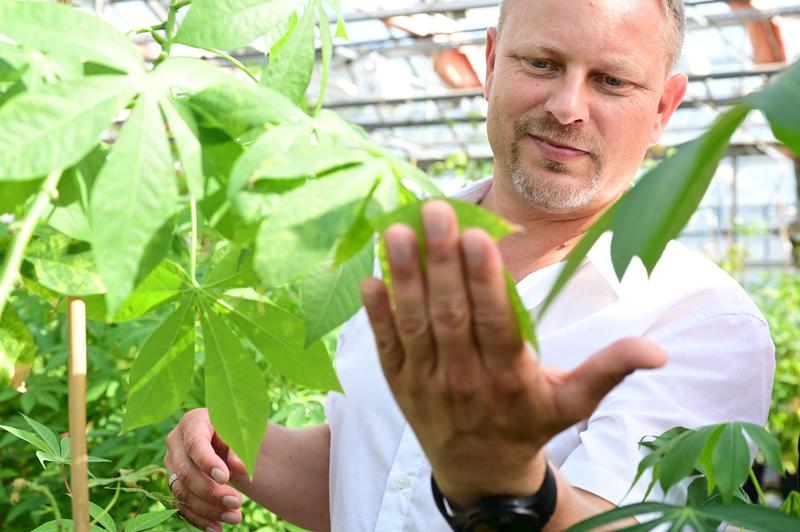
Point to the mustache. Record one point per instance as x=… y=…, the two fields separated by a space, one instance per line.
x=550 y=127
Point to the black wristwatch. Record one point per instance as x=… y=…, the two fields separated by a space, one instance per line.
x=501 y=513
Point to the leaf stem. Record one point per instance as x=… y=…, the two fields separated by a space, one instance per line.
x=13 y=260
x=232 y=60
x=148 y=29
x=761 y=499
x=108 y=506
x=193 y=249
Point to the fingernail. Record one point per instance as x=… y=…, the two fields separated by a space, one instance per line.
x=230 y=501
x=473 y=248
x=218 y=475
x=399 y=250
x=229 y=517
x=436 y=221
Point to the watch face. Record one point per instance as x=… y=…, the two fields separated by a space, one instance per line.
x=507 y=522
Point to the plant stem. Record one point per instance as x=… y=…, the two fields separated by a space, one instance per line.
x=148 y=29
x=47 y=493
x=193 y=248
x=232 y=60
x=761 y=499
x=13 y=260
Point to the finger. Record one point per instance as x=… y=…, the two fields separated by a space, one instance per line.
x=234 y=463
x=203 y=508
x=193 y=479
x=408 y=291
x=493 y=318
x=203 y=523
x=583 y=388
x=448 y=300
x=197 y=434
x=376 y=302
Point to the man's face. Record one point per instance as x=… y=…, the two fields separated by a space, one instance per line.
x=577 y=93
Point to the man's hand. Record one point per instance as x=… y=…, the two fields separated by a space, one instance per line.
x=479 y=402
x=203 y=464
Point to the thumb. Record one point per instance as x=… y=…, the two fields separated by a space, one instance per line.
x=582 y=389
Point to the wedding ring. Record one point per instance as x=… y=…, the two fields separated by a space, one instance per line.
x=172 y=478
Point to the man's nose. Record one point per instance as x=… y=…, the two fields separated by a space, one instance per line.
x=569 y=101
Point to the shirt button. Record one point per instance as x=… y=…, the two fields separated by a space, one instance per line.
x=401 y=482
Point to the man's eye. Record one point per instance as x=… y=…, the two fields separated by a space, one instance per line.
x=613 y=82
x=540 y=63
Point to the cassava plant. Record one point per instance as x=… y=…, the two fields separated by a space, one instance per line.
x=232 y=207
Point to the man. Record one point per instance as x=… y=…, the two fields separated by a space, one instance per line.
x=577 y=92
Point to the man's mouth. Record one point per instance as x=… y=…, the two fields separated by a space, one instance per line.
x=558 y=151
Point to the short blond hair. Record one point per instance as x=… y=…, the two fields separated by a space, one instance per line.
x=676 y=26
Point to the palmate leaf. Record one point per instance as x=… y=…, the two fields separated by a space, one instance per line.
x=331 y=294
x=236 y=392
x=189 y=75
x=162 y=373
x=17 y=349
x=133 y=197
x=291 y=61
x=231 y=268
x=56 y=125
x=306 y=222
x=286 y=151
x=731 y=460
x=231 y=24
x=53 y=27
x=705 y=518
x=280 y=338
x=237 y=108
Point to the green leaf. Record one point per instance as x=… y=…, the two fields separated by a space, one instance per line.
x=190 y=75
x=69 y=274
x=524 y=320
x=680 y=458
x=57 y=525
x=767 y=444
x=55 y=126
x=13 y=194
x=162 y=286
x=162 y=373
x=185 y=132
x=236 y=392
x=657 y=208
x=750 y=516
x=780 y=102
x=791 y=506
x=236 y=108
x=148 y=520
x=45 y=433
x=58 y=28
x=707 y=456
x=102 y=517
x=280 y=338
x=341 y=31
x=285 y=152
x=17 y=349
x=306 y=222
x=231 y=24
x=133 y=197
x=731 y=460
x=27 y=436
x=45 y=457
x=331 y=294
x=327 y=51
x=577 y=256
x=234 y=269
x=291 y=65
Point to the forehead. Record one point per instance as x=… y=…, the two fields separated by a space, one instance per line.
x=612 y=31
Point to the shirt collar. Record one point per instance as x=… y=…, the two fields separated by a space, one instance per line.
x=599 y=256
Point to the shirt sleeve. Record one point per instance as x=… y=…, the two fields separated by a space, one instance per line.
x=720 y=368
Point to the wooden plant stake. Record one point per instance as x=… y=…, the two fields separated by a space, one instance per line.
x=79 y=471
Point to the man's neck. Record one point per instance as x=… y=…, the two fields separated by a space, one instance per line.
x=543 y=239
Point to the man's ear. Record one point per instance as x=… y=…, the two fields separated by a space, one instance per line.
x=671 y=97
x=491 y=49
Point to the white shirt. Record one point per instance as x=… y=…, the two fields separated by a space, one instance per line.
x=720 y=368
